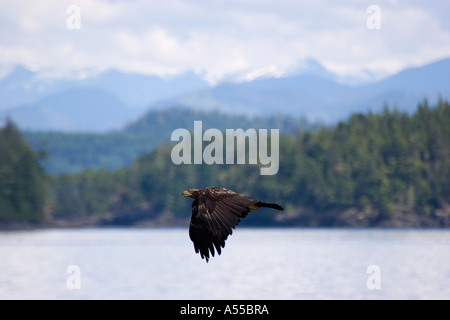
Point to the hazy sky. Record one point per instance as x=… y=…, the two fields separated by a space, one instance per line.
x=221 y=38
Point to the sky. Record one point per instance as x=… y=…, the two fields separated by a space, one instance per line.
x=219 y=39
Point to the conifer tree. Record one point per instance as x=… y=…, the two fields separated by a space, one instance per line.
x=22 y=180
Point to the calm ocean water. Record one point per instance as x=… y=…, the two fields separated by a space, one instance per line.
x=255 y=264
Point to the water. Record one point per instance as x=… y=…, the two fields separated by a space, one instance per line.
x=255 y=264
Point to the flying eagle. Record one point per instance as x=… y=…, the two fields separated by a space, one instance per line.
x=215 y=213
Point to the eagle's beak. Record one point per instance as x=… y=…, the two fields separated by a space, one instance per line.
x=186 y=194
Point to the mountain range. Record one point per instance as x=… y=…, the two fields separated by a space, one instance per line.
x=106 y=101
x=317 y=94
x=113 y=99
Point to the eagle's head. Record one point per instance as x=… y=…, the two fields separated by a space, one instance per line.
x=193 y=193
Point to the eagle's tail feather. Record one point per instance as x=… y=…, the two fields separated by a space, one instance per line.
x=269 y=205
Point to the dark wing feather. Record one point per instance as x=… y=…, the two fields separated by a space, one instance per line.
x=214 y=216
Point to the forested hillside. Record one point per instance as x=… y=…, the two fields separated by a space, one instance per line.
x=383 y=169
x=371 y=170
x=75 y=152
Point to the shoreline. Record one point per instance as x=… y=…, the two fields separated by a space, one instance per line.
x=304 y=219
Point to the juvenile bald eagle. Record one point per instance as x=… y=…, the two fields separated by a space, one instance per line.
x=215 y=213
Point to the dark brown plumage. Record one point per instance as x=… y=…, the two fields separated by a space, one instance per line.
x=215 y=213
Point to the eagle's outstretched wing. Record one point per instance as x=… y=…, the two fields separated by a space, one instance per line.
x=215 y=213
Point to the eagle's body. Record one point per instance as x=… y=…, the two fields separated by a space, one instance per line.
x=215 y=213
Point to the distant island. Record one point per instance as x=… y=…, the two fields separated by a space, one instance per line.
x=384 y=169
x=73 y=152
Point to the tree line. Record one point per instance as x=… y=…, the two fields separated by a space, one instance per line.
x=389 y=168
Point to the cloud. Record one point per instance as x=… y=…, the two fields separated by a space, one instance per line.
x=220 y=38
